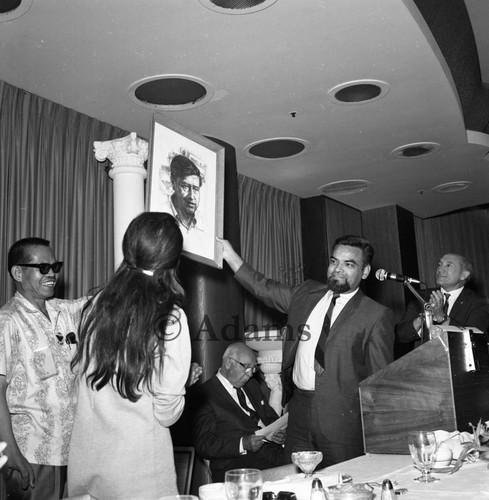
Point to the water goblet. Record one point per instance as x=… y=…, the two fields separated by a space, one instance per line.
x=422 y=446
x=307 y=461
x=243 y=484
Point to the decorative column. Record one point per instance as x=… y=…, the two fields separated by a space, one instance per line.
x=127 y=155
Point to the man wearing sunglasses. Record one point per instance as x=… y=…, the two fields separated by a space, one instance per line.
x=230 y=409
x=37 y=342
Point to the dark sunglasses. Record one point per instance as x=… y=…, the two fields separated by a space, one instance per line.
x=69 y=339
x=44 y=267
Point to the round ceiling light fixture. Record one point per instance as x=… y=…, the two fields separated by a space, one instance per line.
x=358 y=92
x=236 y=7
x=452 y=187
x=344 y=187
x=278 y=148
x=416 y=149
x=12 y=9
x=170 y=92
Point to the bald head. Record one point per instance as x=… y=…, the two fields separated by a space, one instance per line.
x=238 y=364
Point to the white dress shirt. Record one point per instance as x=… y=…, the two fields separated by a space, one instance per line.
x=303 y=375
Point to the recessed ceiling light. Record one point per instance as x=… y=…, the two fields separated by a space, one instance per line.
x=278 y=148
x=358 y=92
x=344 y=187
x=12 y=9
x=234 y=7
x=415 y=150
x=452 y=187
x=170 y=92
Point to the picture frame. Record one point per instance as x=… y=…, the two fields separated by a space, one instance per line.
x=186 y=179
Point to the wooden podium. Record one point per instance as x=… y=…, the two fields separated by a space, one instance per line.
x=442 y=384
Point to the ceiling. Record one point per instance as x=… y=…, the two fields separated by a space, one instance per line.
x=270 y=72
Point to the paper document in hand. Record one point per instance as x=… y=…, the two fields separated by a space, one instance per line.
x=278 y=425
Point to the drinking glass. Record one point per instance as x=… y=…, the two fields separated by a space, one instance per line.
x=307 y=461
x=243 y=484
x=422 y=446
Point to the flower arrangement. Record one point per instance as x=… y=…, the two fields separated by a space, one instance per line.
x=474 y=446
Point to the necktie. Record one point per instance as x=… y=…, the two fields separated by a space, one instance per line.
x=445 y=305
x=319 y=353
x=242 y=402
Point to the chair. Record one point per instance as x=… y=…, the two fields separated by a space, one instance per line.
x=184 y=457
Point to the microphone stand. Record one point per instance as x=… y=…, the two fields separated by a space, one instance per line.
x=427 y=312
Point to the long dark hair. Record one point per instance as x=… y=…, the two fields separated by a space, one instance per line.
x=122 y=333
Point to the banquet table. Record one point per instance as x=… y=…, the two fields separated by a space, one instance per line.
x=469 y=483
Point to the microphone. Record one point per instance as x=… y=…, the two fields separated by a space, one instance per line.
x=382 y=275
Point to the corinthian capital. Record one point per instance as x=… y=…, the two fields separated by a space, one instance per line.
x=126 y=151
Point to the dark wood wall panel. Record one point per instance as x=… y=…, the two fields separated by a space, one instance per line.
x=381 y=228
x=323 y=220
x=340 y=220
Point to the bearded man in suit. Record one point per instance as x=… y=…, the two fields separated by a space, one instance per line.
x=453 y=303
x=336 y=337
x=230 y=408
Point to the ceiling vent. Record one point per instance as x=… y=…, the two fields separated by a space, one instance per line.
x=416 y=150
x=170 y=92
x=451 y=187
x=9 y=5
x=236 y=6
x=279 y=148
x=358 y=92
x=12 y=9
x=344 y=187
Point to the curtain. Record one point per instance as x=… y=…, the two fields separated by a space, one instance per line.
x=52 y=187
x=271 y=243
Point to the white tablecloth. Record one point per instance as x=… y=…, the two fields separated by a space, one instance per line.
x=471 y=482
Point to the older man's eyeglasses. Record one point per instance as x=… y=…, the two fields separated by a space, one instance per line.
x=246 y=366
x=45 y=267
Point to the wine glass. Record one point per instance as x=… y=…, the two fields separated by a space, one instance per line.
x=243 y=484
x=307 y=461
x=422 y=446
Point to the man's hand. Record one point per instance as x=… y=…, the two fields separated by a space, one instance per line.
x=278 y=437
x=229 y=255
x=3 y=458
x=437 y=300
x=194 y=374
x=252 y=443
x=17 y=463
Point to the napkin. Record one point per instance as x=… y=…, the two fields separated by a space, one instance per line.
x=213 y=491
x=299 y=484
x=454 y=440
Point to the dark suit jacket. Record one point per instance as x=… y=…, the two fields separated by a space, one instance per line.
x=470 y=309
x=220 y=423
x=360 y=342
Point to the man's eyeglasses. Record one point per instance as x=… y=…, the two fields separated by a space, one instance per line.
x=44 y=267
x=247 y=367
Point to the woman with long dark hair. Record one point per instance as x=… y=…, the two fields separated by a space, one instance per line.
x=132 y=362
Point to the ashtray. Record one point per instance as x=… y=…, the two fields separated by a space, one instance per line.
x=351 y=491
x=281 y=495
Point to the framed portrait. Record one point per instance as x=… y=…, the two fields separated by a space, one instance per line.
x=186 y=179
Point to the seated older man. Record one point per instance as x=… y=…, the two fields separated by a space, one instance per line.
x=231 y=408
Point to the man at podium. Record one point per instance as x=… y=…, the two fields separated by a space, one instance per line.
x=453 y=303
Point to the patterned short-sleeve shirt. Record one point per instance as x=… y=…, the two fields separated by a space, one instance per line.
x=35 y=356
